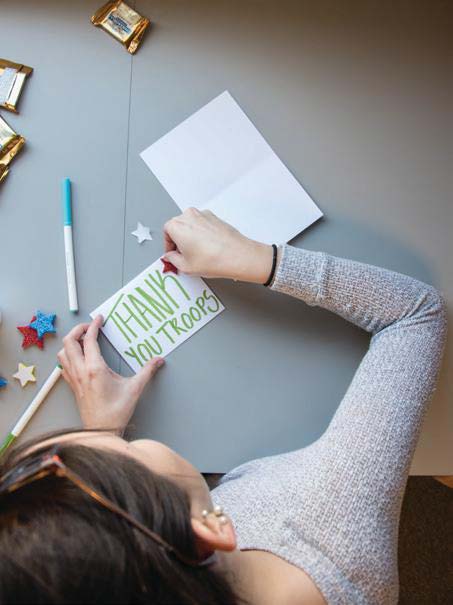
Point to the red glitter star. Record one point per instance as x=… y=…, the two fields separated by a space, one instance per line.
x=169 y=267
x=30 y=336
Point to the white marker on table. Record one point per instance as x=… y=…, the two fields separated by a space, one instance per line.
x=31 y=409
x=68 y=245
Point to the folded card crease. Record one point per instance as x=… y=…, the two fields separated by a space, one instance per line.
x=216 y=159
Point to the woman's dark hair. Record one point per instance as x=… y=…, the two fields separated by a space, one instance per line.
x=58 y=545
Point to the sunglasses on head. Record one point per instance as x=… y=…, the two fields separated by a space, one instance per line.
x=50 y=463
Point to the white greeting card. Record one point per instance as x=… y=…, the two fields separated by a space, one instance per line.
x=216 y=159
x=155 y=313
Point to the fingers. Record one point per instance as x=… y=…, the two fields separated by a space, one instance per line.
x=171 y=230
x=75 y=351
x=64 y=363
x=90 y=342
x=147 y=373
x=169 y=244
x=176 y=259
x=63 y=360
x=71 y=343
x=76 y=333
x=174 y=227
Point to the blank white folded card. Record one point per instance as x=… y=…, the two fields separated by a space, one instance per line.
x=216 y=159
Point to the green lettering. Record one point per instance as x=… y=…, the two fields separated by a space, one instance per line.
x=186 y=319
x=115 y=321
x=174 y=324
x=123 y=322
x=200 y=302
x=163 y=329
x=207 y=296
x=132 y=353
x=146 y=356
x=133 y=315
x=141 y=308
x=160 y=306
x=156 y=349
x=192 y=313
x=118 y=325
x=159 y=281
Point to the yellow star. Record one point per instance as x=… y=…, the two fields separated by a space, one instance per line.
x=25 y=374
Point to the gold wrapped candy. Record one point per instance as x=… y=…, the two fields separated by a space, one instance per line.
x=10 y=145
x=122 y=22
x=12 y=80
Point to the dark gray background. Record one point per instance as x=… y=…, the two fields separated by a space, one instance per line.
x=354 y=96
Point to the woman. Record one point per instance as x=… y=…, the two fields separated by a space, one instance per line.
x=87 y=517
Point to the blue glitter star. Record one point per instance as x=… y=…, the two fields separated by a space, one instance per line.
x=43 y=323
x=3 y=382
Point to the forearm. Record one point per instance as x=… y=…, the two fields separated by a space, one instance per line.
x=365 y=453
x=368 y=296
x=252 y=262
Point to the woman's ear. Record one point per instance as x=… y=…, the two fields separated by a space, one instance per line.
x=211 y=535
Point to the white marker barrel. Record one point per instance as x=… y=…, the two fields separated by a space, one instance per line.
x=69 y=246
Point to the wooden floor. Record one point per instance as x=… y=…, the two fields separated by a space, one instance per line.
x=448 y=481
x=425 y=542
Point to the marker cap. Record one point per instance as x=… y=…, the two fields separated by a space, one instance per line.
x=66 y=201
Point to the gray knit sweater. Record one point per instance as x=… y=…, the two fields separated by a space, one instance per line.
x=333 y=508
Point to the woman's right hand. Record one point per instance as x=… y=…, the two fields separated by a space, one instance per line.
x=199 y=243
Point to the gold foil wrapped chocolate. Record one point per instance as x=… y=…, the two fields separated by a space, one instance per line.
x=12 y=81
x=122 y=22
x=10 y=145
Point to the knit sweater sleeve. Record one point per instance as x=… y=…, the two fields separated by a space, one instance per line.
x=332 y=508
x=366 y=451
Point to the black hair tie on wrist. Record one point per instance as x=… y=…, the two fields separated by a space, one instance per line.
x=274 y=265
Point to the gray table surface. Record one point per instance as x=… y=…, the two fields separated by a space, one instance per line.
x=353 y=96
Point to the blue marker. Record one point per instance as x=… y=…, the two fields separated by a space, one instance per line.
x=68 y=245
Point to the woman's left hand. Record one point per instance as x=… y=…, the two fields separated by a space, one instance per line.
x=105 y=399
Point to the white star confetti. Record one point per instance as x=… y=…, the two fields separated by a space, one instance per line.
x=25 y=374
x=142 y=233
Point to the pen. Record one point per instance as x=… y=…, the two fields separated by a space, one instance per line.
x=68 y=245
x=34 y=405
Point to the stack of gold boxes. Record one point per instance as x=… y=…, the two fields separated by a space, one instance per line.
x=12 y=81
